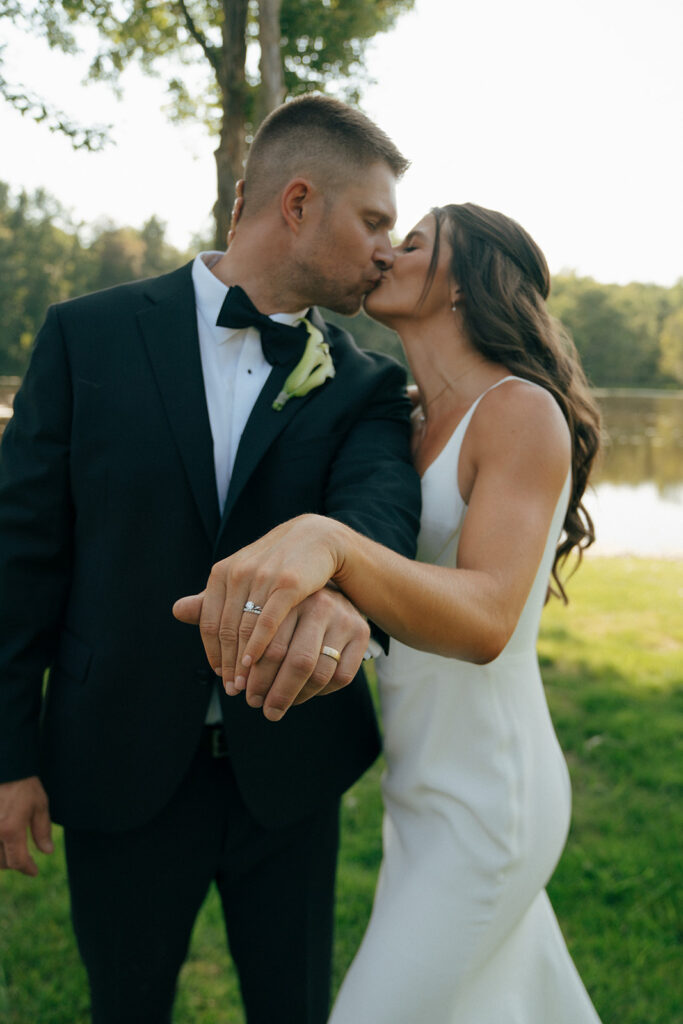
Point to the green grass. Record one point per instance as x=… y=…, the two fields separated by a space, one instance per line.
x=613 y=666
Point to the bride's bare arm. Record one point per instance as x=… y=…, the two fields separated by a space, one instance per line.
x=516 y=456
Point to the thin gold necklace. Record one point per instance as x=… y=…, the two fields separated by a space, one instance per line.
x=450 y=384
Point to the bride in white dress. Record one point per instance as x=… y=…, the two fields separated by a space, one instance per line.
x=476 y=791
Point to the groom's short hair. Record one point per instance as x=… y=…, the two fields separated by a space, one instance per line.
x=318 y=137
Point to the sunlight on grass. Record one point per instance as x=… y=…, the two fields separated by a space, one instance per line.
x=613 y=668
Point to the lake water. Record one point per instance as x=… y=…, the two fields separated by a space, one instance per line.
x=636 y=500
x=637 y=496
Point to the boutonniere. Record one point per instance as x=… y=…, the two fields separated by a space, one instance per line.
x=314 y=367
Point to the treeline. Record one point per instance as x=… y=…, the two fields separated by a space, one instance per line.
x=45 y=258
x=627 y=336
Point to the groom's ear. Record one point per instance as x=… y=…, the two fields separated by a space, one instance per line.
x=296 y=197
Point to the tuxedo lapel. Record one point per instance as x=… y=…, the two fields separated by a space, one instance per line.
x=169 y=330
x=264 y=425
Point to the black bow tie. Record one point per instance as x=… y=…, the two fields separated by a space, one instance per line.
x=281 y=343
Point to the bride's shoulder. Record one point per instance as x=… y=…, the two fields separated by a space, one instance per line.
x=518 y=413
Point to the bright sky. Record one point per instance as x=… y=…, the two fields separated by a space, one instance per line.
x=567 y=116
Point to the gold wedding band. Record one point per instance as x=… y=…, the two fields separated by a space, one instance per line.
x=331 y=652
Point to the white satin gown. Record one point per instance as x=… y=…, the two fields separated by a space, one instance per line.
x=477 y=806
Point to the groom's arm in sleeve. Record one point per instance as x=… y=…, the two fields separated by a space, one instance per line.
x=36 y=523
x=373 y=486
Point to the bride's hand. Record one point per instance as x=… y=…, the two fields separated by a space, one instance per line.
x=274 y=574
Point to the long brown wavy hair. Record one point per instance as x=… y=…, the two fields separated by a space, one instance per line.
x=505 y=281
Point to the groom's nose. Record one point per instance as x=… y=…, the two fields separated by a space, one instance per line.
x=384 y=255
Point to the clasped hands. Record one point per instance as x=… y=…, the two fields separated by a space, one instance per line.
x=275 y=656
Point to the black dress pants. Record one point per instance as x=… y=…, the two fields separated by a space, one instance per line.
x=135 y=897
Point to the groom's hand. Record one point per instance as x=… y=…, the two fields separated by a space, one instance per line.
x=23 y=809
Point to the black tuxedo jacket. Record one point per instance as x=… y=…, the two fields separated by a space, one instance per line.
x=109 y=512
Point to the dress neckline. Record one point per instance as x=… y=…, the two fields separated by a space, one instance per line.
x=466 y=417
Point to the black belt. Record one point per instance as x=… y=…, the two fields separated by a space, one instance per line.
x=213 y=740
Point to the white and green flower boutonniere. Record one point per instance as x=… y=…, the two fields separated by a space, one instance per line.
x=312 y=370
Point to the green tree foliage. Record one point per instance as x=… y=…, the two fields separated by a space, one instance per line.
x=37 y=263
x=603 y=336
x=200 y=48
x=325 y=41
x=617 y=329
x=369 y=334
x=672 y=345
x=125 y=254
x=43 y=260
x=28 y=103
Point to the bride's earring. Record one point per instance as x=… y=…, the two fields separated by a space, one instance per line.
x=454 y=307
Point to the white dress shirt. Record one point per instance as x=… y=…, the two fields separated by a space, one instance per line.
x=235 y=371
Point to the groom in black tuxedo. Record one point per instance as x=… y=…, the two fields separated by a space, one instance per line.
x=145 y=447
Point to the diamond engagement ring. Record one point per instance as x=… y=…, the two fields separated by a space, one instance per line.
x=331 y=652
x=253 y=608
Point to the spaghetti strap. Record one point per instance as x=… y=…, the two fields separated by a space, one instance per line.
x=458 y=434
x=464 y=422
x=510 y=376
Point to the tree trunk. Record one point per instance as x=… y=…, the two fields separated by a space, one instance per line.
x=272 y=89
x=232 y=144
